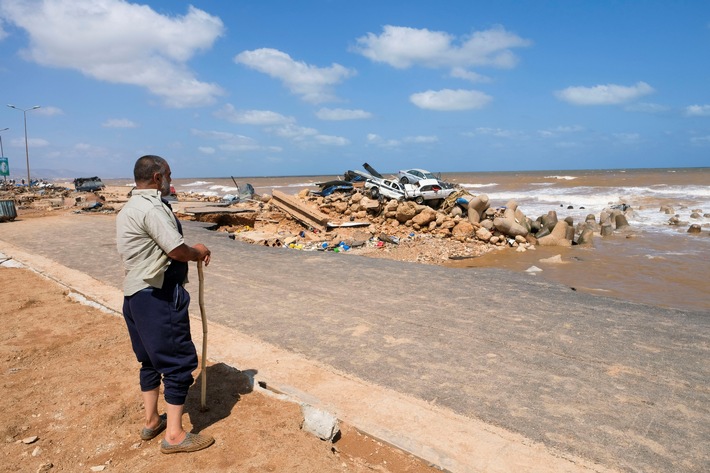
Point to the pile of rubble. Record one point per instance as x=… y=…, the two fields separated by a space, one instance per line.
x=462 y=226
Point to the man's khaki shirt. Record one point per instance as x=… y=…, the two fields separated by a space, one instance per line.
x=146 y=231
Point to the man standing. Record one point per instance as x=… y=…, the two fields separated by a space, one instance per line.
x=155 y=306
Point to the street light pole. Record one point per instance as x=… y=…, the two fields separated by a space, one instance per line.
x=27 y=149
x=2 y=152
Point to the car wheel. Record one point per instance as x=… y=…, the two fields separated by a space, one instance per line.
x=374 y=193
x=419 y=200
x=404 y=180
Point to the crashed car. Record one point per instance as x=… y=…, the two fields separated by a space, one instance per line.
x=88 y=184
x=427 y=189
x=412 y=176
x=386 y=188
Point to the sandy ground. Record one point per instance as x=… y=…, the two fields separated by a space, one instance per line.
x=71 y=402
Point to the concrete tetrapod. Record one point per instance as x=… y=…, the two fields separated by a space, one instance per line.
x=558 y=237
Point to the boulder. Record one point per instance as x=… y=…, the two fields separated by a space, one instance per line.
x=462 y=230
x=369 y=205
x=483 y=234
x=424 y=217
x=694 y=228
x=448 y=224
x=406 y=211
x=391 y=206
x=667 y=209
x=488 y=225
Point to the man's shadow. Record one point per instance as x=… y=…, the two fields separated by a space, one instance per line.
x=225 y=386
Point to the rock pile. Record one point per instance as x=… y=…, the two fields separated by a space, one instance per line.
x=462 y=218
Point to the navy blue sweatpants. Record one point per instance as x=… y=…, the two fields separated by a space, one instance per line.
x=159 y=326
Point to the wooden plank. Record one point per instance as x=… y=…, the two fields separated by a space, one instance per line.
x=302 y=213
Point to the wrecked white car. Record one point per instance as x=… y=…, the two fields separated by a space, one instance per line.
x=424 y=190
x=386 y=188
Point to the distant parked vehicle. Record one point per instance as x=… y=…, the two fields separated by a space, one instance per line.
x=88 y=184
x=412 y=176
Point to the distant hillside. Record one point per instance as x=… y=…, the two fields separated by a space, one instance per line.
x=53 y=174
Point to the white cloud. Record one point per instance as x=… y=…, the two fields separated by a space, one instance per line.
x=403 y=47
x=461 y=73
x=377 y=140
x=229 y=141
x=313 y=84
x=206 y=149
x=644 y=107
x=120 y=42
x=119 y=123
x=698 y=110
x=609 y=94
x=627 y=138
x=336 y=114
x=450 y=100
x=332 y=140
x=495 y=132
x=252 y=117
x=86 y=149
x=48 y=111
x=553 y=132
x=421 y=139
x=31 y=142
x=294 y=132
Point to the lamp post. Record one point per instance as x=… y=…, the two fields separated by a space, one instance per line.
x=2 y=152
x=27 y=149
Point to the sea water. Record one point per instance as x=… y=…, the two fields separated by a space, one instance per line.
x=654 y=262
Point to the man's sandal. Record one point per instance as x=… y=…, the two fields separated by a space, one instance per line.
x=149 y=434
x=191 y=443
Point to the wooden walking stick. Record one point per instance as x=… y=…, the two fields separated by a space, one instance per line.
x=203 y=373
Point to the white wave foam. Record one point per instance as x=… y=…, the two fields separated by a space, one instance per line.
x=479 y=186
x=197 y=183
x=562 y=178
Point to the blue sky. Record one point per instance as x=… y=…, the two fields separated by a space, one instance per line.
x=252 y=88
